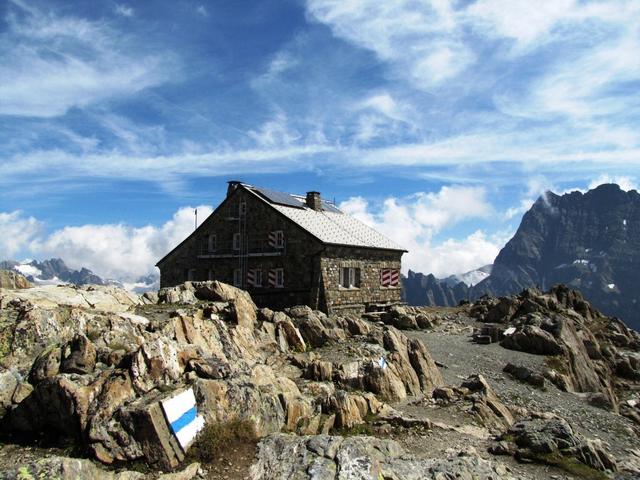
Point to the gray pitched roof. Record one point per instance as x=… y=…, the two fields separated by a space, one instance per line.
x=330 y=225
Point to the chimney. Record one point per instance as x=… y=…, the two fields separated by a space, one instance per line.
x=232 y=185
x=313 y=201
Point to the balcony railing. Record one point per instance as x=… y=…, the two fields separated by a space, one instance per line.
x=255 y=248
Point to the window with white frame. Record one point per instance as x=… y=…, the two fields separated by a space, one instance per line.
x=279 y=277
x=349 y=277
x=212 y=242
x=236 y=241
x=237 y=278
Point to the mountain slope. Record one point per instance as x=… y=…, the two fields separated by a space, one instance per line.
x=589 y=241
x=420 y=289
x=55 y=272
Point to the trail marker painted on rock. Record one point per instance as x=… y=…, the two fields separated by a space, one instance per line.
x=510 y=331
x=182 y=414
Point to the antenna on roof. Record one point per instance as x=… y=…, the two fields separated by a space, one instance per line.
x=196 y=224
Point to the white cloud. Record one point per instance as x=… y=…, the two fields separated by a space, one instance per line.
x=124 y=10
x=49 y=64
x=418 y=37
x=380 y=116
x=521 y=20
x=202 y=10
x=383 y=103
x=114 y=251
x=460 y=256
x=412 y=222
x=275 y=133
x=434 y=42
x=17 y=233
x=626 y=183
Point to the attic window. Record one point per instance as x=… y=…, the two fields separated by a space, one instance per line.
x=350 y=277
x=276 y=239
x=243 y=207
x=212 y=242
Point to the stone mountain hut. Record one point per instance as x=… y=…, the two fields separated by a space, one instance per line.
x=289 y=250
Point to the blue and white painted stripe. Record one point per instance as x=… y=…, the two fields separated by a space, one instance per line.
x=182 y=414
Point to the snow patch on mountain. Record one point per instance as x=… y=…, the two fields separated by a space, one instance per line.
x=55 y=272
x=470 y=278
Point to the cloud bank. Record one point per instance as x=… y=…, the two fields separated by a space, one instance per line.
x=414 y=221
x=116 y=251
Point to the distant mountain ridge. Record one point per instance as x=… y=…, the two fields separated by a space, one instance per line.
x=56 y=272
x=589 y=241
x=420 y=289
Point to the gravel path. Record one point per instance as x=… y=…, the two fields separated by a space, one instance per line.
x=463 y=358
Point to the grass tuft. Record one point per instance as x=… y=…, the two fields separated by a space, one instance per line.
x=557 y=363
x=215 y=438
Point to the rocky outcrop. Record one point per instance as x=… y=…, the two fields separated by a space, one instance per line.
x=342 y=458
x=525 y=374
x=77 y=468
x=532 y=339
x=50 y=297
x=486 y=404
x=589 y=241
x=92 y=364
x=554 y=442
x=13 y=280
x=587 y=352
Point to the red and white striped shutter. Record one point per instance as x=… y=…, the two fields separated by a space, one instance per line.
x=273 y=239
x=394 y=278
x=251 y=278
x=272 y=278
x=385 y=279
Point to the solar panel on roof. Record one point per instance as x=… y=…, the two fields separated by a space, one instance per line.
x=329 y=207
x=280 y=198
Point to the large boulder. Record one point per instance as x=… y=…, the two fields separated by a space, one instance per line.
x=486 y=404
x=532 y=339
x=525 y=374
x=361 y=457
x=245 y=309
x=57 y=467
x=547 y=440
x=79 y=356
x=104 y=298
x=8 y=385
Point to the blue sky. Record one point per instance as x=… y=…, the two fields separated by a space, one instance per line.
x=436 y=121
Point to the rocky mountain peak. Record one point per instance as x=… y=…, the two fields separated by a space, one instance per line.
x=590 y=241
